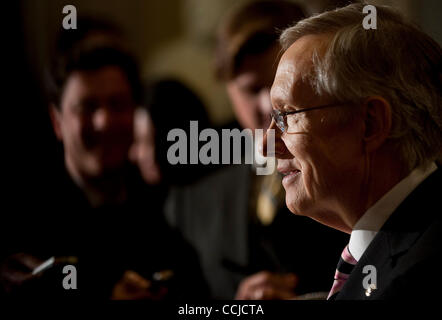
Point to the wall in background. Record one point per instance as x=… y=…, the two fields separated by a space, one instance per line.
x=175 y=37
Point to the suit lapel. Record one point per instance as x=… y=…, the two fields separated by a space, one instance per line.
x=404 y=227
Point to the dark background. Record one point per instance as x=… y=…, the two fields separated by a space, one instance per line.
x=170 y=38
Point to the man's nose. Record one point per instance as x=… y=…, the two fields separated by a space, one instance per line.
x=101 y=119
x=265 y=104
x=280 y=148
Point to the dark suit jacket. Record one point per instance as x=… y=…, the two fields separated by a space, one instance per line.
x=407 y=251
x=107 y=241
x=213 y=216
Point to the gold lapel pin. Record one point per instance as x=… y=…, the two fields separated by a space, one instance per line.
x=370 y=289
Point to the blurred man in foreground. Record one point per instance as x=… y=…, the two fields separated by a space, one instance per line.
x=97 y=213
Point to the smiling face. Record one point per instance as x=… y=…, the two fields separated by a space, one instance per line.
x=95 y=120
x=322 y=158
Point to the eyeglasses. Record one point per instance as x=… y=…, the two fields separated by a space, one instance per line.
x=281 y=117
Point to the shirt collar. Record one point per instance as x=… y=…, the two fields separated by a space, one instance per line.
x=374 y=218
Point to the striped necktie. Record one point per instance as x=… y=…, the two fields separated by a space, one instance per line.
x=345 y=267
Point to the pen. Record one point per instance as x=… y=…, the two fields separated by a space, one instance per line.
x=45 y=265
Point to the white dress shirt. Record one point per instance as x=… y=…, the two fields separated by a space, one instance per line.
x=374 y=218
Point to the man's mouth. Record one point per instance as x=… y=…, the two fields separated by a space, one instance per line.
x=289 y=174
x=285 y=171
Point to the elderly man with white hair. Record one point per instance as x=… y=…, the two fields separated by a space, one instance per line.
x=358 y=120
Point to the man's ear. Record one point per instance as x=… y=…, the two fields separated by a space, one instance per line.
x=55 y=115
x=377 y=122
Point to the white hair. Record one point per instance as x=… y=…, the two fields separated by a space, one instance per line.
x=396 y=61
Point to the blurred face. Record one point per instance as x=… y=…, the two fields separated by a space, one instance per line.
x=249 y=91
x=143 y=150
x=321 y=159
x=95 y=121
